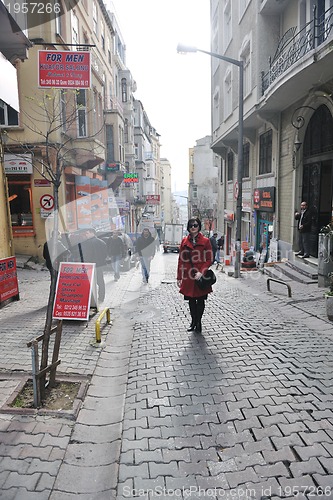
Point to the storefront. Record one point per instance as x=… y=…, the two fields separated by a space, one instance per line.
x=264 y=206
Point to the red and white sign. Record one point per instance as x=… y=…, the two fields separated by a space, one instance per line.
x=42 y=182
x=8 y=279
x=75 y=283
x=256 y=196
x=18 y=164
x=153 y=199
x=236 y=190
x=47 y=202
x=64 y=69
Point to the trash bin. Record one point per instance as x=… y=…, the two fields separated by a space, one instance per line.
x=325 y=258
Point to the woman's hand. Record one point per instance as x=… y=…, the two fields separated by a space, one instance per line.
x=197 y=275
x=179 y=283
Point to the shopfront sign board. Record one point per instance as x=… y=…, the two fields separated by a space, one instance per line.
x=76 y=291
x=8 y=280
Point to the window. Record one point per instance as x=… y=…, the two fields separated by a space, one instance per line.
x=227 y=31
x=265 y=153
x=8 y=115
x=246 y=57
x=227 y=95
x=126 y=130
x=20 y=201
x=216 y=109
x=103 y=36
x=108 y=46
x=246 y=159
x=75 y=28
x=124 y=90
x=109 y=144
x=95 y=20
x=81 y=113
x=230 y=165
x=58 y=21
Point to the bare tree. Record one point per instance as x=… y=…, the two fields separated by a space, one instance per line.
x=52 y=120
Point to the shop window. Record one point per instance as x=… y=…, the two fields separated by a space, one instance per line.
x=124 y=90
x=265 y=154
x=20 y=203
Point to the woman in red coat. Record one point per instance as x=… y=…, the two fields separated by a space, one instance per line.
x=196 y=248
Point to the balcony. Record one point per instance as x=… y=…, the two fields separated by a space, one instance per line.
x=295 y=46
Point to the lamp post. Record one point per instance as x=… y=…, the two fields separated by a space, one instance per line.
x=184 y=49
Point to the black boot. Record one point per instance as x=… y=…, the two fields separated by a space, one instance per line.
x=200 y=311
x=192 y=306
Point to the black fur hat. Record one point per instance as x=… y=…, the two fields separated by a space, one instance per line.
x=191 y=222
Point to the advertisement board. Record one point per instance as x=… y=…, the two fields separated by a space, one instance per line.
x=75 y=286
x=64 y=69
x=83 y=201
x=8 y=279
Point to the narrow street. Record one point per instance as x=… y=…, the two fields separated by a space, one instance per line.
x=243 y=410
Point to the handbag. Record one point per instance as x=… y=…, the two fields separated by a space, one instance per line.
x=208 y=279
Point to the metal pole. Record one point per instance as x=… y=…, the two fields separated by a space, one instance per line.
x=239 y=171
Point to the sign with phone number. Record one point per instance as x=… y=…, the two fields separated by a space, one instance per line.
x=73 y=292
x=8 y=279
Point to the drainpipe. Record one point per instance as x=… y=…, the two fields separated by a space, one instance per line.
x=277 y=184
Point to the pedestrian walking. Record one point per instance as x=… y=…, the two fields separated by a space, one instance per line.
x=213 y=242
x=92 y=249
x=220 y=248
x=61 y=253
x=117 y=253
x=145 y=246
x=195 y=257
x=304 y=224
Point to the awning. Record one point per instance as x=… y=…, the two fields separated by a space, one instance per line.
x=13 y=42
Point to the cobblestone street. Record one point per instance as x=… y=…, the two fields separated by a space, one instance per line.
x=243 y=410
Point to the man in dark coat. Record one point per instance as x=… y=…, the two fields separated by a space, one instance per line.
x=117 y=253
x=213 y=242
x=93 y=249
x=62 y=253
x=145 y=246
x=304 y=224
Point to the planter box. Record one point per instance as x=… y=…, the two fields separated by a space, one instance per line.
x=329 y=306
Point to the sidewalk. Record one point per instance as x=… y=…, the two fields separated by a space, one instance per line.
x=243 y=409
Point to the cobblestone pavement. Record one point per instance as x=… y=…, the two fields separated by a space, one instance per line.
x=243 y=410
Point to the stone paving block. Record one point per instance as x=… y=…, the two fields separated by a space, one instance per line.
x=327 y=463
x=325 y=482
x=176 y=455
x=127 y=471
x=249 y=423
x=197 y=455
x=17 y=480
x=163 y=469
x=276 y=470
x=157 y=443
x=139 y=444
x=290 y=486
x=215 y=468
x=193 y=468
x=315 y=450
x=315 y=437
x=239 y=478
x=292 y=440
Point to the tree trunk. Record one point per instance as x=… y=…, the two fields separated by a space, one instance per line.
x=49 y=311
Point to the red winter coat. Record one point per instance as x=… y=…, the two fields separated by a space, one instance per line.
x=202 y=259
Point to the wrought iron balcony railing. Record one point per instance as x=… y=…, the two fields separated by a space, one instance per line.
x=293 y=46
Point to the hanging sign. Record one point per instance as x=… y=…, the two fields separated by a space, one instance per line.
x=64 y=69
x=75 y=286
x=264 y=199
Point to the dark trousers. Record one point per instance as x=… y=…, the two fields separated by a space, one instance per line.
x=304 y=243
x=197 y=307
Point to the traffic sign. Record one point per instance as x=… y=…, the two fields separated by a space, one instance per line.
x=47 y=202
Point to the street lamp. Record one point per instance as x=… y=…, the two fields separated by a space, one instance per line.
x=184 y=49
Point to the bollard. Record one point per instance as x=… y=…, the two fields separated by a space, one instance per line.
x=106 y=312
x=281 y=283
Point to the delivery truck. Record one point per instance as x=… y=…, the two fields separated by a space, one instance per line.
x=173 y=234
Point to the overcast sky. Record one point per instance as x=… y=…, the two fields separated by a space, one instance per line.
x=174 y=89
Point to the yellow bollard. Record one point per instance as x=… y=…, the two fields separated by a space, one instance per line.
x=98 y=323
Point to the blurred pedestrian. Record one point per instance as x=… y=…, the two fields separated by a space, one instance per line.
x=93 y=249
x=117 y=253
x=145 y=246
x=213 y=242
x=53 y=255
x=220 y=248
x=195 y=257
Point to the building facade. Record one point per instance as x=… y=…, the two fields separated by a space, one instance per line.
x=288 y=144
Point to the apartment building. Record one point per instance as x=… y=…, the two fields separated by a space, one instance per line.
x=14 y=47
x=203 y=183
x=288 y=134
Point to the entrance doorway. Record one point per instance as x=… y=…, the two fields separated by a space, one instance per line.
x=317 y=184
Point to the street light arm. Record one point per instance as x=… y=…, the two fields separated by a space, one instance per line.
x=188 y=48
